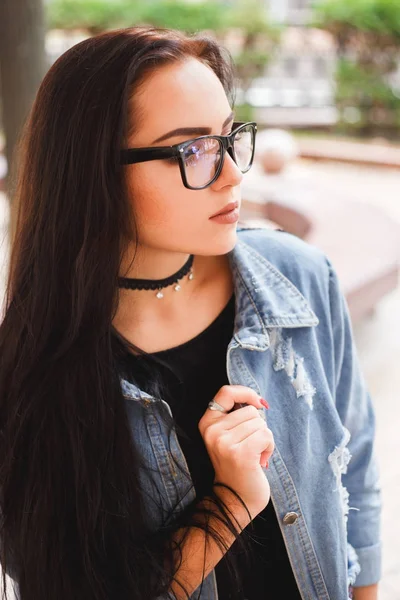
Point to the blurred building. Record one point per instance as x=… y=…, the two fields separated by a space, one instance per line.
x=290 y=12
x=298 y=87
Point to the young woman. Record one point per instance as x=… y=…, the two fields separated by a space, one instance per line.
x=144 y=337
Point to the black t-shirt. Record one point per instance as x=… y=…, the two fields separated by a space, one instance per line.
x=191 y=374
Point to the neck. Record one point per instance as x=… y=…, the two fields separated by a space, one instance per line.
x=152 y=264
x=210 y=272
x=152 y=324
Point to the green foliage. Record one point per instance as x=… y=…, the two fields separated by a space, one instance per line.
x=259 y=39
x=185 y=16
x=216 y=15
x=366 y=96
x=244 y=112
x=367 y=33
x=251 y=16
x=362 y=87
x=98 y=15
x=93 y=15
x=375 y=16
x=251 y=63
x=255 y=57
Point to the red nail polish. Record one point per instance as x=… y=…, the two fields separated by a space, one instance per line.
x=266 y=464
x=264 y=403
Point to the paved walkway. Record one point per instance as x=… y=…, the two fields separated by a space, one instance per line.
x=378 y=342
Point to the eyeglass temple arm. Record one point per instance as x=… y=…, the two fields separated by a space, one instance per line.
x=134 y=155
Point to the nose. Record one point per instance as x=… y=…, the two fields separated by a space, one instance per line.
x=230 y=174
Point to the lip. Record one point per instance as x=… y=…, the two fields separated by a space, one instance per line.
x=227 y=209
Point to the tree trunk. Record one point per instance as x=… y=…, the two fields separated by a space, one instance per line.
x=22 y=66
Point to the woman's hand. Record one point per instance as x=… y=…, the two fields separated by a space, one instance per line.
x=368 y=592
x=239 y=444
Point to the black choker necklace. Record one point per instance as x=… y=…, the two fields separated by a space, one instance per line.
x=159 y=284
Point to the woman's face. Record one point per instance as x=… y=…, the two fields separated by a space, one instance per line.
x=169 y=216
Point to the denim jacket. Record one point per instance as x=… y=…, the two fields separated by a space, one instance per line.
x=293 y=345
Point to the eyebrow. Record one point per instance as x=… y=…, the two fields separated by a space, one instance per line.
x=192 y=130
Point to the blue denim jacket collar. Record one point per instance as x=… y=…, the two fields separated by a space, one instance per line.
x=265 y=299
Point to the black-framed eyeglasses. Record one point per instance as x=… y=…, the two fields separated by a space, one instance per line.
x=201 y=160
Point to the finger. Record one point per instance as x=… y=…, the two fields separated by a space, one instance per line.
x=265 y=456
x=242 y=431
x=258 y=442
x=241 y=415
x=229 y=395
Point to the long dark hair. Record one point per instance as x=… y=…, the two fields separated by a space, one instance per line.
x=72 y=522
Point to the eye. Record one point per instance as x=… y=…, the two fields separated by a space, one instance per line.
x=203 y=151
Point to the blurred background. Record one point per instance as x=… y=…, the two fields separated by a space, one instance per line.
x=322 y=80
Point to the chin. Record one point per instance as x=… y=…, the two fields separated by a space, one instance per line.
x=222 y=244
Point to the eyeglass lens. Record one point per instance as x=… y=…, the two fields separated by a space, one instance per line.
x=202 y=158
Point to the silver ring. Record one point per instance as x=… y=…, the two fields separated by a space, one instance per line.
x=215 y=406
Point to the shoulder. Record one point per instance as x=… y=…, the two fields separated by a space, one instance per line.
x=295 y=259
